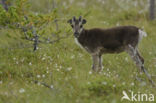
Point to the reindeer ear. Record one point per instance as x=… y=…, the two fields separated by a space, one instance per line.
x=84 y=21
x=69 y=21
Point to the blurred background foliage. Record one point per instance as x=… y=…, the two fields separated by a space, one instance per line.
x=62 y=71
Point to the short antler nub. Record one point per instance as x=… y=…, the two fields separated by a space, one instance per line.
x=74 y=18
x=80 y=18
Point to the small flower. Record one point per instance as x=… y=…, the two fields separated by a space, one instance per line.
x=30 y=63
x=114 y=85
x=38 y=83
x=88 y=83
x=72 y=57
x=51 y=86
x=69 y=69
x=21 y=90
x=60 y=67
x=80 y=55
x=1 y=82
x=16 y=62
x=150 y=53
x=132 y=84
x=14 y=58
x=90 y=72
x=43 y=76
x=22 y=60
x=126 y=59
x=143 y=84
x=123 y=83
x=43 y=59
x=38 y=76
x=104 y=83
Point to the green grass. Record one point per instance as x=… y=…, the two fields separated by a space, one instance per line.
x=66 y=67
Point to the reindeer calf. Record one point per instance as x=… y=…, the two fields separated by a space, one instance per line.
x=113 y=40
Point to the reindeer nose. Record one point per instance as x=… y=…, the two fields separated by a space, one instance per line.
x=76 y=34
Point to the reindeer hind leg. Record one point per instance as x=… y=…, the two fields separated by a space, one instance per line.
x=133 y=52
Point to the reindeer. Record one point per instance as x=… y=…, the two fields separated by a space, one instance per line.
x=99 y=41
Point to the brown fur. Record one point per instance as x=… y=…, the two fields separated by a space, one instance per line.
x=109 y=40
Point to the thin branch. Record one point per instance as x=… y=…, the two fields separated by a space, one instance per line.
x=57 y=26
x=47 y=40
x=36 y=41
x=43 y=83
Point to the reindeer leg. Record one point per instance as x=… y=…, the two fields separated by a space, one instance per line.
x=141 y=58
x=95 y=59
x=100 y=63
x=139 y=61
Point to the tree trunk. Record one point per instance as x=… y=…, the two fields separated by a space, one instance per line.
x=151 y=10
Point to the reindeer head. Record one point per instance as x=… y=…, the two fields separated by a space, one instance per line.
x=77 y=25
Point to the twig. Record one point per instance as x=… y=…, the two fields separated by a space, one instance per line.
x=57 y=27
x=35 y=39
x=43 y=83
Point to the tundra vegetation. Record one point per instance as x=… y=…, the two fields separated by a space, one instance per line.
x=59 y=71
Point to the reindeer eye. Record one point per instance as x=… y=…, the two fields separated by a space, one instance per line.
x=80 y=26
x=72 y=26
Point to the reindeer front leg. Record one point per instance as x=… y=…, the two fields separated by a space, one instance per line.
x=100 y=63
x=95 y=65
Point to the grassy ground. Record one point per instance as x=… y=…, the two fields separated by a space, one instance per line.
x=66 y=67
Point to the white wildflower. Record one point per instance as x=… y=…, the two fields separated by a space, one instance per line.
x=88 y=83
x=43 y=76
x=60 y=67
x=16 y=62
x=38 y=83
x=21 y=90
x=126 y=59
x=90 y=72
x=38 y=76
x=43 y=58
x=143 y=84
x=22 y=60
x=104 y=83
x=150 y=53
x=132 y=84
x=30 y=63
x=1 y=82
x=72 y=57
x=123 y=83
x=51 y=86
x=14 y=58
x=114 y=85
x=69 y=68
